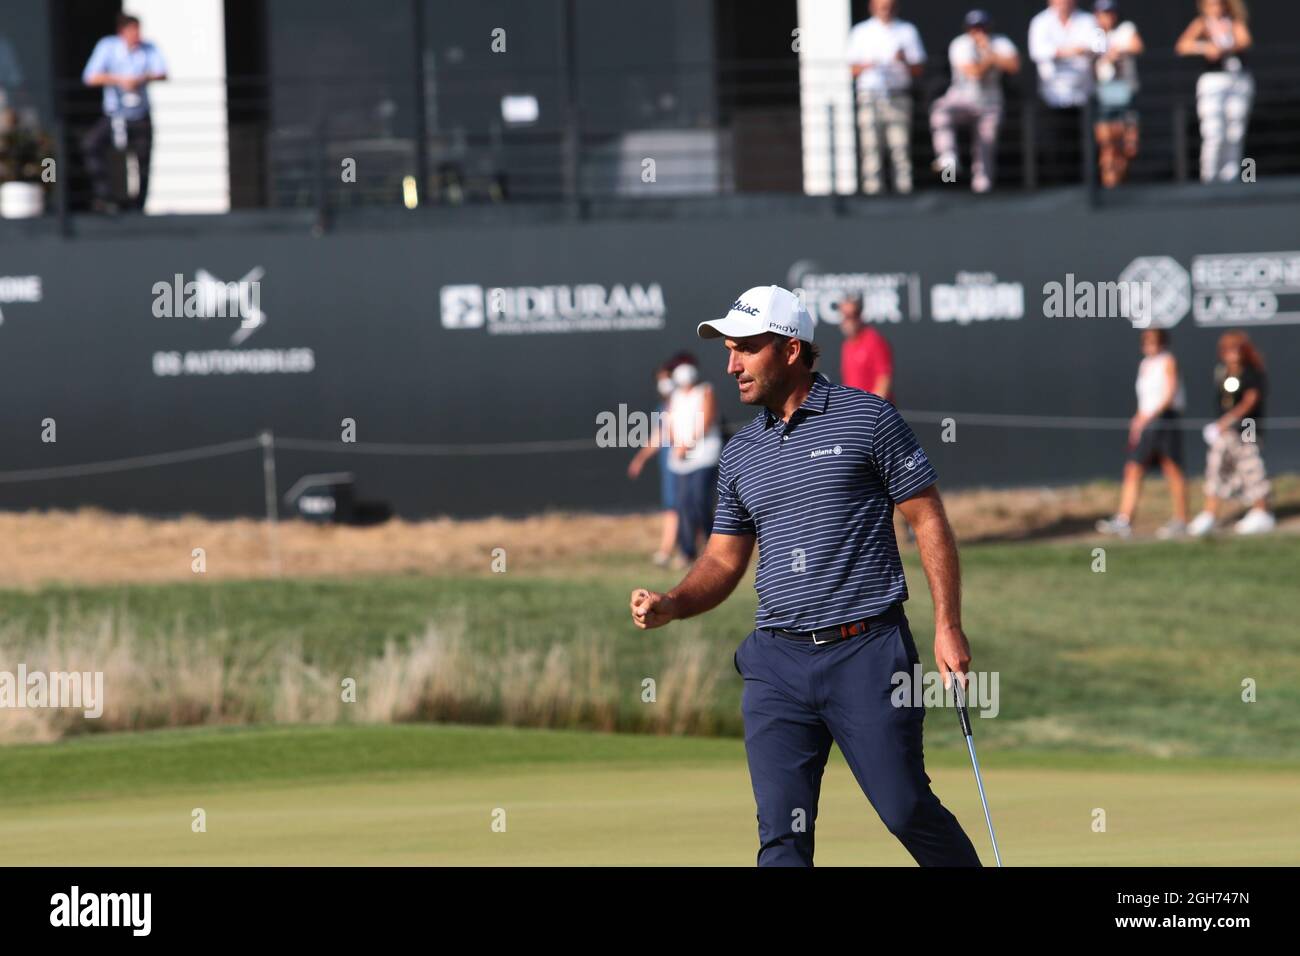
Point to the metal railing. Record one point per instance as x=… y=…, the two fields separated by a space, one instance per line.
x=730 y=129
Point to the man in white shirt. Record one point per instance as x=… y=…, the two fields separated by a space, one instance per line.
x=885 y=54
x=978 y=59
x=1062 y=42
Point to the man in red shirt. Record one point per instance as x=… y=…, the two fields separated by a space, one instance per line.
x=866 y=360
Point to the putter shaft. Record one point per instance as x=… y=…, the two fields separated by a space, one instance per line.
x=964 y=717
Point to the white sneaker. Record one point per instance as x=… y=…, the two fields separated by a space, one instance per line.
x=1116 y=525
x=1171 y=529
x=1256 y=522
x=1201 y=525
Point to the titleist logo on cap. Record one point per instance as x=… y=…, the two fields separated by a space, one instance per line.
x=739 y=306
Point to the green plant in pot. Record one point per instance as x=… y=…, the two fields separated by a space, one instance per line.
x=24 y=173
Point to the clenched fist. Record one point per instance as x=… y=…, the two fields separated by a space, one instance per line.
x=651 y=609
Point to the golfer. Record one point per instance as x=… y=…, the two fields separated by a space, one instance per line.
x=814 y=480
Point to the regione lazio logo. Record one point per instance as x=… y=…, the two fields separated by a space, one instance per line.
x=529 y=309
x=1223 y=289
x=1171 y=290
x=18 y=289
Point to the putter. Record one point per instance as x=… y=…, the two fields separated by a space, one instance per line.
x=964 y=717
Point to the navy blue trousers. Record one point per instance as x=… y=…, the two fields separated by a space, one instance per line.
x=798 y=698
x=694 y=508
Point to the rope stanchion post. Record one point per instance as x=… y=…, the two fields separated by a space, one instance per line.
x=267 y=440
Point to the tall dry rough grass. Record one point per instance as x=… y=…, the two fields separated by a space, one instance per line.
x=186 y=679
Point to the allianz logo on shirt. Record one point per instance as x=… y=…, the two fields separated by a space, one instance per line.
x=819 y=452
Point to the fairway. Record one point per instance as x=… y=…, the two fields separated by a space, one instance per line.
x=420 y=795
x=1121 y=695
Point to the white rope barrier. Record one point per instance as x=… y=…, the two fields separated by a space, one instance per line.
x=1059 y=422
x=128 y=464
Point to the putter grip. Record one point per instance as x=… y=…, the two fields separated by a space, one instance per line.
x=962 y=714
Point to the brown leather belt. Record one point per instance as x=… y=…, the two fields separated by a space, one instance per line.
x=828 y=635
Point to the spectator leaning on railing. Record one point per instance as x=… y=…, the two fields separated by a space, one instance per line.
x=885 y=54
x=1225 y=90
x=124 y=65
x=1116 y=128
x=978 y=59
x=1062 y=39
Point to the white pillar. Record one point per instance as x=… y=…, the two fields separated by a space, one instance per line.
x=190 y=171
x=825 y=83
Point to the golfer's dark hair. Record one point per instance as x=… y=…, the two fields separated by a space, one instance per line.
x=808 y=351
x=125 y=20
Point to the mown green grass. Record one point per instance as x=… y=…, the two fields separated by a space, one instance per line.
x=1147 y=658
x=420 y=795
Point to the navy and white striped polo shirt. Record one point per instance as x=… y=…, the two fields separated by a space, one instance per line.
x=819 y=494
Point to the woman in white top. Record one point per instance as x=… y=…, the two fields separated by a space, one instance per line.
x=697 y=447
x=1154 y=437
x=658 y=447
x=1225 y=90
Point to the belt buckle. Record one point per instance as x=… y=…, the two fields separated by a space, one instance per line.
x=820 y=643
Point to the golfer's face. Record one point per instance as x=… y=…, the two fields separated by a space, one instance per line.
x=756 y=364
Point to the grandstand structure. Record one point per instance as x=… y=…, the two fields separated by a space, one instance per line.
x=471 y=228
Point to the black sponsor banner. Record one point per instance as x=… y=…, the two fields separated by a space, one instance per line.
x=498 y=349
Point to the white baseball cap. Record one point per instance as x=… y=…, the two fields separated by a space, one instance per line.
x=764 y=308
